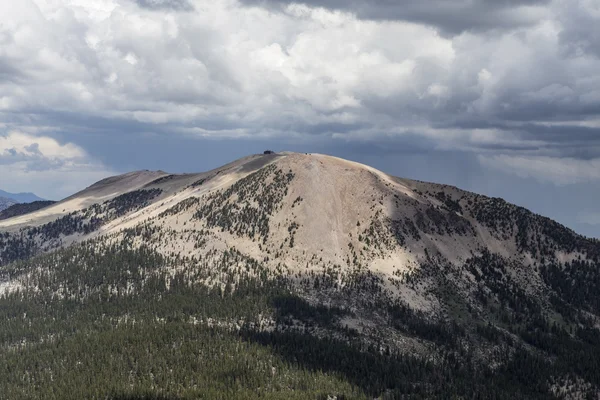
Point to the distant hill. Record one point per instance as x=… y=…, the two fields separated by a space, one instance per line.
x=6 y=202
x=23 y=208
x=21 y=197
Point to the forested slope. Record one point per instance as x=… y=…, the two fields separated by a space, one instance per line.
x=295 y=276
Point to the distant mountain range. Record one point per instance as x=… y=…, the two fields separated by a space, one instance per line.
x=5 y=202
x=8 y=199
x=20 y=197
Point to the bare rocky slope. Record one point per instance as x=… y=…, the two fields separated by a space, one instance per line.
x=390 y=265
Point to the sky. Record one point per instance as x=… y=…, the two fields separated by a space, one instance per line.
x=500 y=97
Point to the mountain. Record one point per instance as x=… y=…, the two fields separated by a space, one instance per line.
x=21 y=197
x=9 y=199
x=23 y=208
x=6 y=202
x=293 y=275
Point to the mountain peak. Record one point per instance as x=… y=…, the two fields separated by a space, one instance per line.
x=331 y=248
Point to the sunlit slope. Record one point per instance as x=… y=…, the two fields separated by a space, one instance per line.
x=310 y=212
x=309 y=251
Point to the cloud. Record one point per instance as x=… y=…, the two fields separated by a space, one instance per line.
x=21 y=145
x=56 y=169
x=450 y=17
x=589 y=218
x=581 y=33
x=177 y=5
x=560 y=171
x=504 y=79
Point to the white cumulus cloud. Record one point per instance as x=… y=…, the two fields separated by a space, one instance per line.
x=479 y=76
x=54 y=168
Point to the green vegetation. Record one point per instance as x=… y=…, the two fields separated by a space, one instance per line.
x=162 y=179
x=31 y=241
x=16 y=246
x=435 y=221
x=24 y=208
x=449 y=202
x=138 y=315
x=244 y=208
x=538 y=235
x=576 y=283
x=128 y=202
x=111 y=321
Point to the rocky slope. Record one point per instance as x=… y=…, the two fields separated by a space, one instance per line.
x=389 y=266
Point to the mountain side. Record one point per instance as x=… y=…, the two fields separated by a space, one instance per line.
x=6 y=202
x=435 y=291
x=17 y=209
x=20 y=197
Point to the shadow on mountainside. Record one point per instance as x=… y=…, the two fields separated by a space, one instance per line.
x=259 y=162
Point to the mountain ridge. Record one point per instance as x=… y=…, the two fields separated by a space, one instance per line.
x=6 y=203
x=342 y=251
x=17 y=209
x=27 y=197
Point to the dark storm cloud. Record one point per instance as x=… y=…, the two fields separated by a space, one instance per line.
x=581 y=30
x=8 y=73
x=326 y=128
x=190 y=90
x=566 y=139
x=451 y=17
x=34 y=148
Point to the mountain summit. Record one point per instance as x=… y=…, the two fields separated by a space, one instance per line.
x=332 y=251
